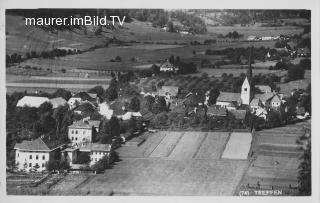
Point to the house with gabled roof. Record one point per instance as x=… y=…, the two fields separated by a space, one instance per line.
x=276 y=101
x=34 y=155
x=229 y=100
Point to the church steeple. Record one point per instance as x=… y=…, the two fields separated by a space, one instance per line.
x=249 y=71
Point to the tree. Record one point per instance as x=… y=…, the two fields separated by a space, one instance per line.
x=112 y=91
x=159 y=105
x=170 y=26
x=114 y=127
x=213 y=95
x=97 y=90
x=62 y=93
x=134 y=104
x=295 y=73
x=83 y=158
x=304 y=176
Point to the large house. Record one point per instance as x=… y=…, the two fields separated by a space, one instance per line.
x=33 y=155
x=97 y=151
x=81 y=132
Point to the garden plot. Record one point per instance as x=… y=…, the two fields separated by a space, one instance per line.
x=238 y=146
x=212 y=146
x=188 y=145
x=167 y=144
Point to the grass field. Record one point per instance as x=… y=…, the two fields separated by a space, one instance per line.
x=275 y=160
x=167 y=163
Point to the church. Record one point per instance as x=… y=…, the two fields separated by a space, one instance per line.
x=257 y=103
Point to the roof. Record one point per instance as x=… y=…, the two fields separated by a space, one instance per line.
x=216 y=111
x=238 y=114
x=81 y=124
x=32 y=101
x=167 y=65
x=39 y=144
x=171 y=90
x=93 y=95
x=264 y=88
x=59 y=101
x=229 y=97
x=94 y=123
x=95 y=147
x=84 y=96
x=264 y=97
x=255 y=102
x=276 y=98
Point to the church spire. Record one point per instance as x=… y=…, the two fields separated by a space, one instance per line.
x=249 y=71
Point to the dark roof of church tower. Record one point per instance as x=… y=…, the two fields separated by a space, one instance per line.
x=249 y=71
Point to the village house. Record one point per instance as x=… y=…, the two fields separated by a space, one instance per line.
x=80 y=98
x=70 y=155
x=97 y=151
x=276 y=101
x=229 y=100
x=33 y=155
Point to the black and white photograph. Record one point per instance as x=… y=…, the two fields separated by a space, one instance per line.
x=116 y=101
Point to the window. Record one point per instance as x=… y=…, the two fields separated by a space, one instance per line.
x=72 y=138
x=18 y=154
x=76 y=132
x=37 y=157
x=83 y=139
x=30 y=157
x=245 y=89
x=72 y=132
x=42 y=165
x=43 y=157
x=29 y=164
x=76 y=138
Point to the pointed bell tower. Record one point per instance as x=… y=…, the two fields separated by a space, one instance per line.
x=246 y=89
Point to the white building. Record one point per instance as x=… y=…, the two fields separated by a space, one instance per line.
x=33 y=155
x=246 y=92
x=32 y=101
x=276 y=101
x=80 y=132
x=97 y=151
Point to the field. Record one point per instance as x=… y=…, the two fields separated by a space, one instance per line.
x=275 y=160
x=256 y=30
x=167 y=163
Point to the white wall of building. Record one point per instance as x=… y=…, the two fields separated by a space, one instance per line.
x=28 y=159
x=95 y=156
x=78 y=135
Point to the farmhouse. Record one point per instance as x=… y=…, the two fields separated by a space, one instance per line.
x=32 y=101
x=229 y=100
x=97 y=151
x=33 y=155
x=255 y=104
x=80 y=98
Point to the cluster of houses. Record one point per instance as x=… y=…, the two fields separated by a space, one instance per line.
x=33 y=155
x=266 y=38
